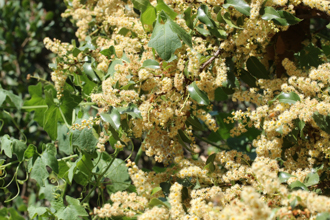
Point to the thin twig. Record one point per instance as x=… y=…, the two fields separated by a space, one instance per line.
x=210 y=60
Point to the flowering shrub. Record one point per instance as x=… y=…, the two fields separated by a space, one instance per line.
x=153 y=70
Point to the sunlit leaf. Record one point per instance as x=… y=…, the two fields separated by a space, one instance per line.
x=196 y=94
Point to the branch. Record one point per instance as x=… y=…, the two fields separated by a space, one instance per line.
x=210 y=60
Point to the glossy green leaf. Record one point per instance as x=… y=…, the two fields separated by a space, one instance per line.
x=156 y=202
x=296 y=185
x=88 y=44
x=323 y=216
x=256 y=68
x=239 y=5
x=196 y=94
x=131 y=110
x=290 y=18
x=220 y=95
x=155 y=190
x=113 y=118
x=322 y=121
x=210 y=163
x=203 y=31
x=283 y=176
x=153 y=64
x=88 y=70
x=162 y=6
x=195 y=123
x=227 y=18
x=184 y=136
x=141 y=4
x=188 y=18
x=290 y=98
x=164 y=40
x=270 y=13
x=166 y=188
x=312 y=178
x=247 y=78
x=203 y=16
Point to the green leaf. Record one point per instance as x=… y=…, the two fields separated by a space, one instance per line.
x=149 y=15
x=155 y=190
x=88 y=70
x=322 y=121
x=69 y=102
x=84 y=167
x=256 y=68
x=247 y=78
x=88 y=45
x=165 y=188
x=30 y=151
x=156 y=202
x=195 y=123
x=19 y=148
x=159 y=169
x=109 y=52
x=117 y=173
x=183 y=35
x=36 y=211
x=239 y=5
x=39 y=171
x=296 y=185
x=210 y=163
x=36 y=100
x=290 y=18
x=197 y=95
x=84 y=139
x=6 y=145
x=312 y=179
x=283 y=176
x=131 y=110
x=279 y=17
x=309 y=56
x=113 y=118
x=188 y=18
x=220 y=95
x=51 y=116
x=14 y=99
x=162 y=6
x=290 y=98
x=227 y=18
x=153 y=64
x=323 y=216
x=203 y=16
x=203 y=31
x=72 y=211
x=164 y=40
x=184 y=136
x=63 y=137
x=141 y=5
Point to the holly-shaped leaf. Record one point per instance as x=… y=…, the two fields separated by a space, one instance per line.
x=196 y=94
